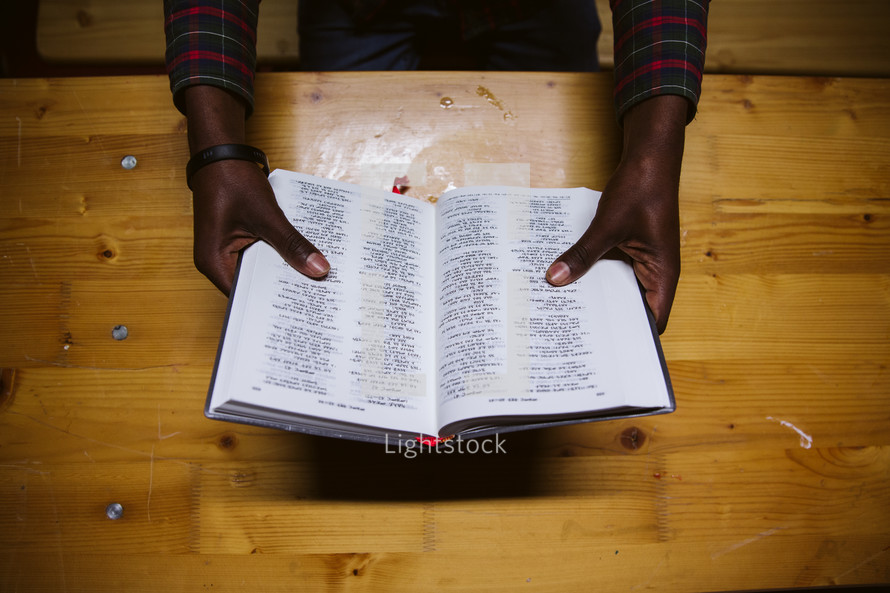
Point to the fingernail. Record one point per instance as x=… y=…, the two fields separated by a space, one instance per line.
x=317 y=264
x=558 y=273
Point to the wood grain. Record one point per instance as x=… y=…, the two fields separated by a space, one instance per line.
x=773 y=472
x=133 y=32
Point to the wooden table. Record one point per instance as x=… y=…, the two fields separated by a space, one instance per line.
x=774 y=471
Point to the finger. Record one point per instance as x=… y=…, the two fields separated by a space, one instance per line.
x=221 y=280
x=216 y=270
x=578 y=259
x=218 y=266
x=659 y=287
x=304 y=257
x=660 y=305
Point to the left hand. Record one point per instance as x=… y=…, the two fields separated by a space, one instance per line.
x=638 y=211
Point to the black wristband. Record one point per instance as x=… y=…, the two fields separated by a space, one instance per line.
x=241 y=152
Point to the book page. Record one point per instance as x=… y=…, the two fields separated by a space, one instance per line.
x=355 y=346
x=512 y=344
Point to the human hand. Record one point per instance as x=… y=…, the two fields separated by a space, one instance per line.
x=234 y=206
x=638 y=212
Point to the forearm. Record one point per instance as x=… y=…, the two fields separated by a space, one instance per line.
x=654 y=135
x=215 y=117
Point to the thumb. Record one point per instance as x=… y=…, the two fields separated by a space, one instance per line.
x=296 y=249
x=578 y=259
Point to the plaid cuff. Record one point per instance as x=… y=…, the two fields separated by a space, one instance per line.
x=211 y=42
x=659 y=50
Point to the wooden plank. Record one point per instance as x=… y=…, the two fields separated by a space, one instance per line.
x=60 y=413
x=781 y=553
x=780 y=106
x=755 y=317
x=66 y=414
x=634 y=567
x=442 y=129
x=793 y=107
x=52 y=507
x=818 y=37
x=266 y=508
x=275 y=508
x=99 y=31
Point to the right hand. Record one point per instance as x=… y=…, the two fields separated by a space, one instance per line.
x=234 y=206
x=639 y=210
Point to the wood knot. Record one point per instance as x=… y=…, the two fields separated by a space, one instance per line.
x=7 y=387
x=357 y=564
x=632 y=438
x=227 y=442
x=84 y=19
x=106 y=248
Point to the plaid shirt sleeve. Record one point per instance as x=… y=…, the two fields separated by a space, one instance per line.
x=659 y=50
x=211 y=42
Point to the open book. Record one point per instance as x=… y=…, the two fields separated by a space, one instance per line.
x=435 y=320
